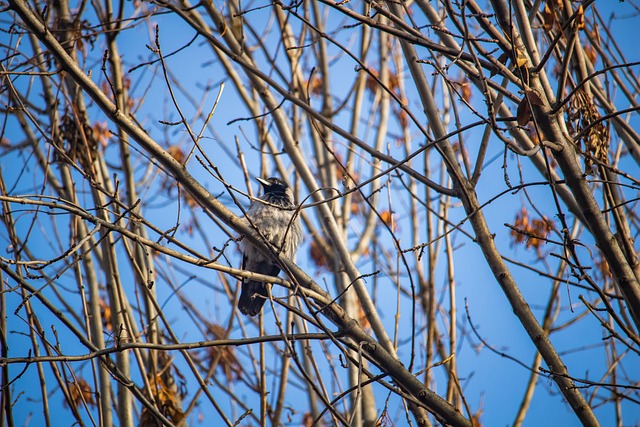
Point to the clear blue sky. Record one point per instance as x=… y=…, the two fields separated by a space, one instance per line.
x=490 y=381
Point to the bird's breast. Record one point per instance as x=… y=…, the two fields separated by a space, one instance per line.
x=278 y=226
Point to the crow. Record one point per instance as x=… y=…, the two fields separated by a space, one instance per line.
x=274 y=216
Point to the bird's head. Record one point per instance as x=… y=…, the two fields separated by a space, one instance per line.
x=276 y=190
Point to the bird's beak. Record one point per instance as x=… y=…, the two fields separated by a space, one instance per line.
x=263 y=182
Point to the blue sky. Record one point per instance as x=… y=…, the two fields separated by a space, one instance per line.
x=490 y=382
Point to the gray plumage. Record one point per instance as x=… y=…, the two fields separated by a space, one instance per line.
x=278 y=225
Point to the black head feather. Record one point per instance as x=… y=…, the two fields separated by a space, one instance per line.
x=276 y=191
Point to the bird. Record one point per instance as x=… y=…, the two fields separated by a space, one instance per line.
x=274 y=217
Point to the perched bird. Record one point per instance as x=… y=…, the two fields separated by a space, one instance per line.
x=277 y=221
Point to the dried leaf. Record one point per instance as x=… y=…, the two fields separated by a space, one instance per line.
x=394 y=85
x=531 y=232
x=315 y=85
x=388 y=219
x=548 y=17
x=176 y=152
x=372 y=84
x=307 y=419
x=533 y=98
x=591 y=53
x=583 y=118
x=372 y=80
x=580 y=18
x=106 y=89
x=523 y=114
x=362 y=319
x=101 y=133
x=603 y=273
x=521 y=58
x=189 y=200
x=459 y=150
x=357 y=204
x=475 y=418
x=131 y=104
x=318 y=256
x=465 y=88
x=225 y=356
x=105 y=314
x=168 y=403
x=80 y=393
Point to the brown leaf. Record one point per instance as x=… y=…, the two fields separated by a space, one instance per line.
x=176 y=152
x=548 y=17
x=106 y=89
x=307 y=419
x=534 y=99
x=475 y=418
x=105 y=314
x=389 y=220
x=542 y=228
x=393 y=82
x=602 y=269
x=167 y=400
x=459 y=150
x=101 y=133
x=465 y=88
x=580 y=18
x=362 y=319
x=524 y=112
x=357 y=204
x=131 y=104
x=224 y=355
x=315 y=85
x=372 y=80
x=318 y=256
x=591 y=53
x=583 y=117
x=531 y=232
x=521 y=58
x=80 y=393
x=522 y=218
x=189 y=200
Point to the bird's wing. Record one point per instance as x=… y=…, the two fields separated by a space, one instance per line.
x=254 y=293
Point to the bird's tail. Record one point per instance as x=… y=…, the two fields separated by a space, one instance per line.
x=252 y=298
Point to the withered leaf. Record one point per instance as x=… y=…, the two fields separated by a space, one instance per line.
x=534 y=99
x=524 y=112
x=549 y=17
x=521 y=58
x=580 y=18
